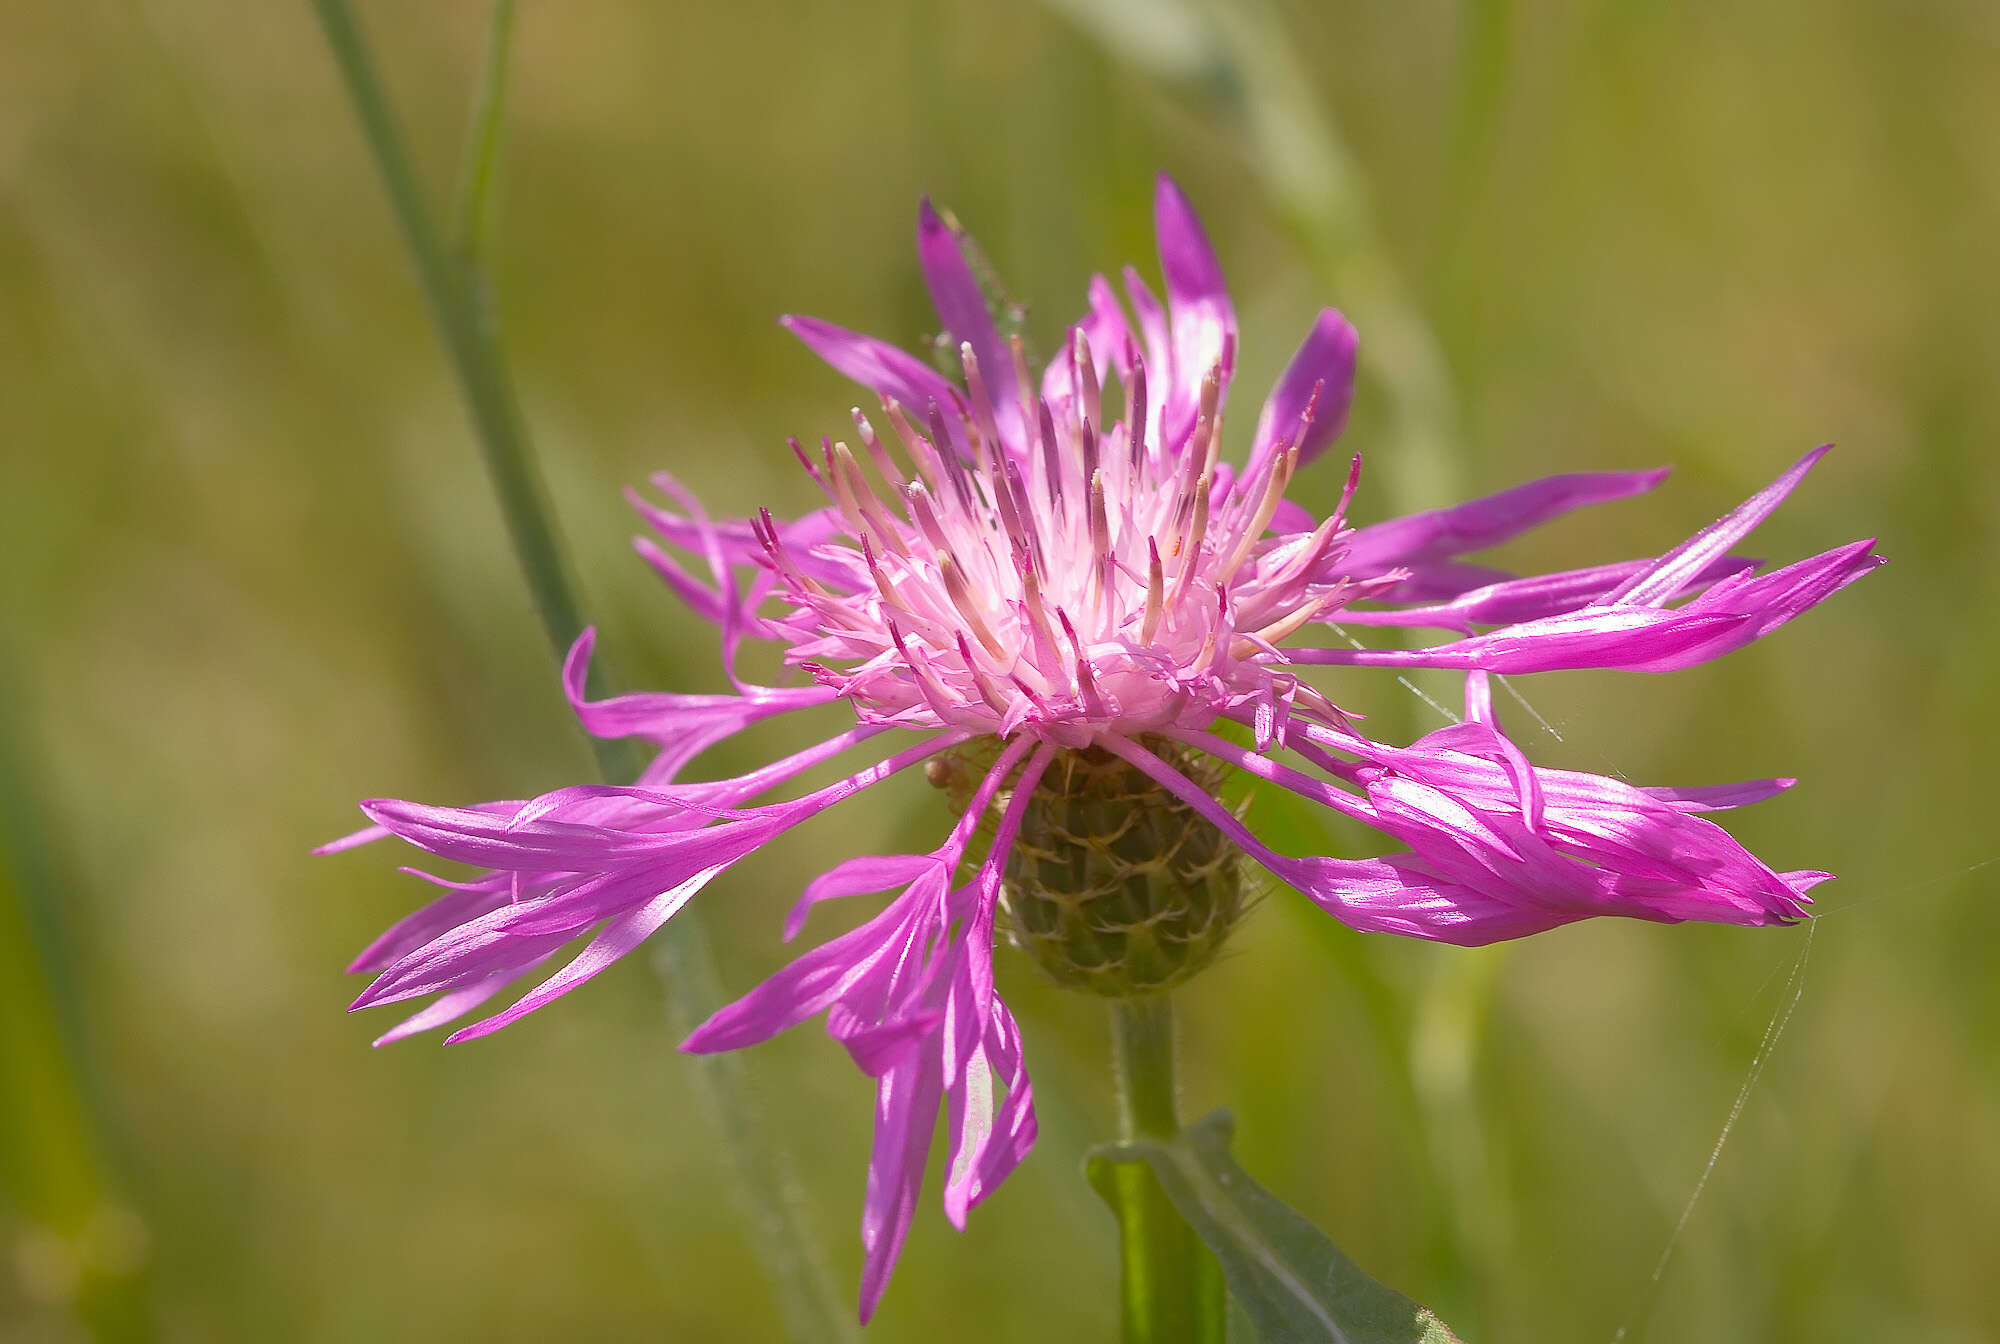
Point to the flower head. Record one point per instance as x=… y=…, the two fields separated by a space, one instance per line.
x=1052 y=591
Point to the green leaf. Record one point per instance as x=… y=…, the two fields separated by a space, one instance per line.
x=1294 y=1285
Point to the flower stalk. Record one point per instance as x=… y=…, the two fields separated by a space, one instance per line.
x=1170 y=1286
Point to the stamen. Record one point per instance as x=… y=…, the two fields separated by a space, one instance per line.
x=933 y=690
x=1051 y=464
x=1038 y=616
x=1347 y=491
x=1089 y=411
x=1018 y=488
x=798 y=451
x=877 y=454
x=865 y=498
x=982 y=404
x=1085 y=682
x=1209 y=641
x=954 y=464
x=929 y=465
x=1028 y=691
x=1274 y=491
x=988 y=691
x=1311 y=410
x=1135 y=410
x=889 y=596
x=782 y=557
x=1023 y=385
x=1100 y=536
x=1155 y=586
x=1210 y=414
x=1189 y=548
x=843 y=490
x=1284 y=626
x=1009 y=507
x=924 y=515
x=1309 y=555
x=961 y=597
x=1196 y=464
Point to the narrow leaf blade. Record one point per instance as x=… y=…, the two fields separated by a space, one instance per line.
x=1295 y=1286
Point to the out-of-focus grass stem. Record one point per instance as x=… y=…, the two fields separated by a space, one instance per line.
x=456 y=286
x=479 y=169
x=1237 y=59
x=76 y=1247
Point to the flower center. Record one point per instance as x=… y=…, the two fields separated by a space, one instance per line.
x=1114 y=886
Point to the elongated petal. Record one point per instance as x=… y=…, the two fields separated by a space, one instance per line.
x=1203 y=319
x=860 y=875
x=1642 y=640
x=1672 y=571
x=1480 y=523
x=669 y=719
x=906 y=1104
x=961 y=306
x=821 y=977
x=448 y=1008
x=619 y=937
x=876 y=365
x=1105 y=334
x=1513 y=601
x=1161 y=373
x=426 y=923
x=1324 y=365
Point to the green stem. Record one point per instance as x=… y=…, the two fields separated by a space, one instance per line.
x=470 y=341
x=479 y=169
x=1170 y=1287
x=456 y=290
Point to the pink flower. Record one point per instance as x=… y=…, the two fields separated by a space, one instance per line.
x=1011 y=569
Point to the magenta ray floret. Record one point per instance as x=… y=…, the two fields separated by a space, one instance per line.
x=1065 y=562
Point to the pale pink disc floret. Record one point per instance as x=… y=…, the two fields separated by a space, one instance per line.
x=1066 y=562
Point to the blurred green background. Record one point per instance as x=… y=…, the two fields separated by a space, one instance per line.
x=250 y=571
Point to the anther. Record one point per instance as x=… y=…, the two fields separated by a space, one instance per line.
x=1188 y=548
x=842 y=488
x=1155 y=592
x=961 y=598
x=1085 y=369
x=924 y=515
x=933 y=690
x=798 y=451
x=1100 y=536
x=1085 y=682
x=1283 y=627
x=889 y=597
x=987 y=690
x=929 y=464
x=1045 y=426
x=877 y=454
x=1023 y=385
x=1038 y=616
x=954 y=463
x=982 y=404
x=1135 y=411
x=865 y=499
x=1267 y=507
x=1017 y=487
